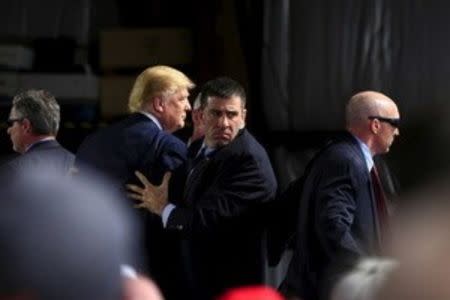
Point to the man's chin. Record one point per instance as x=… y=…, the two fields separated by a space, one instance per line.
x=178 y=126
x=221 y=142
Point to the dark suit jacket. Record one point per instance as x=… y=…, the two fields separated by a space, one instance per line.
x=136 y=143
x=46 y=154
x=337 y=220
x=221 y=217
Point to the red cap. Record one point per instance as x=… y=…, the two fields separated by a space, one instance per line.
x=256 y=292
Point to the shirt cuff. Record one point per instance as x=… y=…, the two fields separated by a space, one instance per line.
x=166 y=213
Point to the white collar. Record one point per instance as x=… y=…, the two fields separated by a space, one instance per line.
x=366 y=152
x=49 y=138
x=153 y=118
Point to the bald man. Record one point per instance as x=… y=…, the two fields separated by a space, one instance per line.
x=342 y=211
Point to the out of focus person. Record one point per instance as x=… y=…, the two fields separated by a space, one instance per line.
x=143 y=141
x=140 y=288
x=33 y=124
x=364 y=280
x=62 y=238
x=420 y=244
x=417 y=267
x=343 y=212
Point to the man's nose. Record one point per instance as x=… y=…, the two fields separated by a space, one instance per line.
x=223 y=121
x=188 y=106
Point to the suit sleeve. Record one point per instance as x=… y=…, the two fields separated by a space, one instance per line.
x=240 y=187
x=336 y=205
x=169 y=154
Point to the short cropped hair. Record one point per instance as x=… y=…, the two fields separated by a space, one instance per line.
x=40 y=108
x=362 y=105
x=156 y=81
x=222 y=87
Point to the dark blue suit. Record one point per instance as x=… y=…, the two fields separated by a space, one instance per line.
x=45 y=154
x=136 y=143
x=337 y=221
x=221 y=217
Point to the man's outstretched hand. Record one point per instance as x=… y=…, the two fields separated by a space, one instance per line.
x=151 y=197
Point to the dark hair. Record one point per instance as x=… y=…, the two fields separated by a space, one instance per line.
x=222 y=87
x=40 y=108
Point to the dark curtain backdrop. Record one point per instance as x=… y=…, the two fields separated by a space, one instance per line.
x=335 y=48
x=316 y=54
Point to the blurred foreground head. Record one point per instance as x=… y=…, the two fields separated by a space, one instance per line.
x=421 y=245
x=62 y=239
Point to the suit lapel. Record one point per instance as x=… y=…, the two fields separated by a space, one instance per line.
x=376 y=222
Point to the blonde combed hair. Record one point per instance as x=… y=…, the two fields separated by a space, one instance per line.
x=156 y=81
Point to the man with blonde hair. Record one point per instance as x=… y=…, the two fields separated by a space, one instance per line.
x=158 y=104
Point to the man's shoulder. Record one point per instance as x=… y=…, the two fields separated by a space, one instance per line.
x=344 y=145
x=245 y=148
x=41 y=156
x=245 y=142
x=135 y=126
x=341 y=152
x=50 y=150
x=135 y=122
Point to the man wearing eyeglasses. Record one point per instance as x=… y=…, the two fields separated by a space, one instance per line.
x=32 y=126
x=343 y=212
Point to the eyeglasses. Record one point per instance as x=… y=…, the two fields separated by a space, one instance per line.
x=394 y=122
x=11 y=121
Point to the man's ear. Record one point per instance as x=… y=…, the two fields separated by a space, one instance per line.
x=158 y=104
x=375 y=126
x=244 y=118
x=197 y=116
x=26 y=124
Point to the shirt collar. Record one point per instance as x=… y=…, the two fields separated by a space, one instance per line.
x=153 y=118
x=366 y=152
x=207 y=150
x=49 y=138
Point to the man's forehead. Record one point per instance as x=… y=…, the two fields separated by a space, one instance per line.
x=225 y=109
x=230 y=103
x=180 y=93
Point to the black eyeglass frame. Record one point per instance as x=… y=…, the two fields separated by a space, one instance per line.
x=394 y=122
x=11 y=121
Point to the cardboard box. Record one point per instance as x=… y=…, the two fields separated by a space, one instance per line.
x=114 y=93
x=132 y=48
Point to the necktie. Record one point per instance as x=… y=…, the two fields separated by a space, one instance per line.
x=201 y=155
x=197 y=167
x=380 y=200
